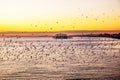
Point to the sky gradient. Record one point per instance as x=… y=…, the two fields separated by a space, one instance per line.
x=59 y=15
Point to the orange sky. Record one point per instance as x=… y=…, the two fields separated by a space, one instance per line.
x=59 y=15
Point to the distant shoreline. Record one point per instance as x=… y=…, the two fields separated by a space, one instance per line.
x=51 y=34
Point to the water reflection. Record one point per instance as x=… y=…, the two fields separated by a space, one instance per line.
x=71 y=59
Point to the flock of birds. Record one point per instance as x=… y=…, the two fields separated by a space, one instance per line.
x=76 y=57
x=97 y=18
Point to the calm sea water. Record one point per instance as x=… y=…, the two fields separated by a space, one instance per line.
x=47 y=58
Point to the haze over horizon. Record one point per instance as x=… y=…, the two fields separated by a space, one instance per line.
x=59 y=15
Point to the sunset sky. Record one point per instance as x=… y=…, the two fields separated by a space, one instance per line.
x=59 y=15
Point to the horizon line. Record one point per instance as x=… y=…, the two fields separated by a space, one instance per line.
x=56 y=31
